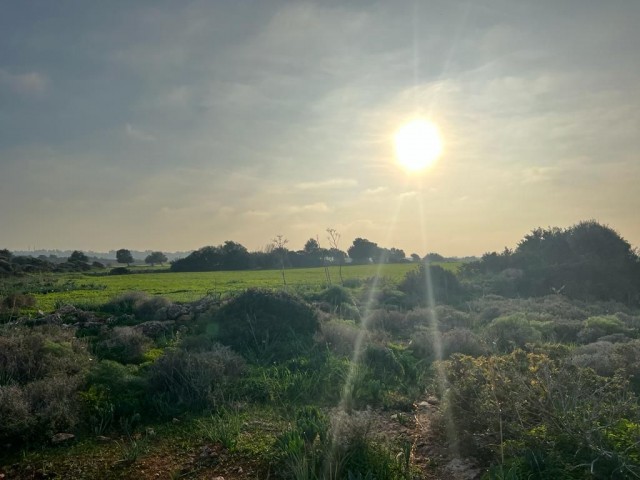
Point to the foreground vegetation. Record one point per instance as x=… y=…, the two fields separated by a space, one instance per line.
x=367 y=379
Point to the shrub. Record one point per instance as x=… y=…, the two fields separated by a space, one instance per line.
x=31 y=354
x=125 y=303
x=154 y=308
x=115 y=388
x=391 y=321
x=16 y=301
x=599 y=326
x=41 y=371
x=191 y=381
x=54 y=404
x=266 y=326
x=512 y=331
x=462 y=340
x=544 y=414
x=339 y=336
x=17 y=420
x=124 y=345
x=335 y=295
x=119 y=271
x=443 y=284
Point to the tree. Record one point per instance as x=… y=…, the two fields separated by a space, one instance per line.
x=77 y=256
x=311 y=247
x=155 y=257
x=589 y=261
x=396 y=255
x=124 y=256
x=235 y=256
x=363 y=251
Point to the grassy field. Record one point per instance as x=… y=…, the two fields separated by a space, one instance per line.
x=183 y=287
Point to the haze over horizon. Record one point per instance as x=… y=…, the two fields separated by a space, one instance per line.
x=168 y=126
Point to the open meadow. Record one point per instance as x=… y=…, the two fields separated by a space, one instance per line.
x=93 y=289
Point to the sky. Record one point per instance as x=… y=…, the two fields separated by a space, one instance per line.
x=169 y=126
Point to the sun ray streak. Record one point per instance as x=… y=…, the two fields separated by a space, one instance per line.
x=441 y=374
x=347 y=390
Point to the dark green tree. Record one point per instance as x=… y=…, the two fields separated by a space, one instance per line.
x=155 y=257
x=124 y=256
x=78 y=256
x=363 y=251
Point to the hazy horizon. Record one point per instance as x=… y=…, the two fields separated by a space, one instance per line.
x=170 y=126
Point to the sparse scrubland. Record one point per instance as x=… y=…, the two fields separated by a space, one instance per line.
x=523 y=365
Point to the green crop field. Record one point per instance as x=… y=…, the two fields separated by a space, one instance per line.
x=95 y=289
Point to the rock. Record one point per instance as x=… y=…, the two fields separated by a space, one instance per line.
x=103 y=439
x=433 y=401
x=175 y=420
x=219 y=477
x=205 y=452
x=423 y=405
x=62 y=437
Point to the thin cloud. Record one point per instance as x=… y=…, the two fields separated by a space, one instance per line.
x=318 y=207
x=328 y=184
x=138 y=134
x=375 y=191
x=31 y=83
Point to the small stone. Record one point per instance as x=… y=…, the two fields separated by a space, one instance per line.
x=394 y=416
x=220 y=477
x=433 y=401
x=103 y=439
x=62 y=437
x=175 y=420
x=240 y=470
x=423 y=405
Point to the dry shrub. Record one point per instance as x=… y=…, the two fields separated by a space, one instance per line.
x=340 y=336
x=124 y=345
x=30 y=354
x=462 y=340
x=15 y=413
x=140 y=304
x=194 y=380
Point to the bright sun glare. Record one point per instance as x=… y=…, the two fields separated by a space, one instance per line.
x=418 y=145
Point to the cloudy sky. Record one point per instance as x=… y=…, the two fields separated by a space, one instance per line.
x=173 y=125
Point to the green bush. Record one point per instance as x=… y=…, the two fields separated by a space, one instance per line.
x=266 y=326
x=335 y=296
x=115 y=392
x=512 y=331
x=599 y=326
x=541 y=415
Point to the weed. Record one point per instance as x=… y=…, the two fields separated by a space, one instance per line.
x=222 y=427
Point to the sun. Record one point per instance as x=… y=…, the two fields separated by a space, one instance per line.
x=417 y=145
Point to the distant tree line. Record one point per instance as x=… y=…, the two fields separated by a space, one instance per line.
x=234 y=256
